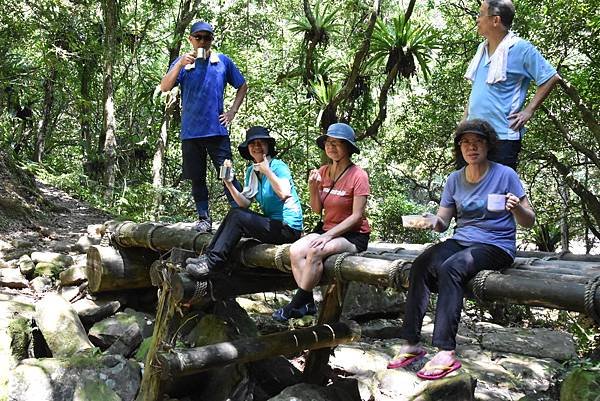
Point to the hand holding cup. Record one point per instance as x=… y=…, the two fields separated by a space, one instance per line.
x=314 y=177
x=226 y=171
x=512 y=201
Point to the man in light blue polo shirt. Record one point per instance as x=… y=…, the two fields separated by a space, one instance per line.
x=204 y=120
x=501 y=72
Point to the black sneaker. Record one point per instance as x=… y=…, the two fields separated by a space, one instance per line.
x=197 y=267
x=203 y=225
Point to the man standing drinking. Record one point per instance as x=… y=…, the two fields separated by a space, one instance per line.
x=203 y=75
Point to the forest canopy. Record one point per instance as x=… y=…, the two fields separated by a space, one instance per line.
x=80 y=105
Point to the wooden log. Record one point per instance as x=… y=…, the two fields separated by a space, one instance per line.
x=382 y=247
x=535 y=292
x=389 y=270
x=546 y=275
x=165 y=237
x=111 y=269
x=187 y=361
x=187 y=290
x=151 y=385
x=156 y=236
x=582 y=269
x=316 y=370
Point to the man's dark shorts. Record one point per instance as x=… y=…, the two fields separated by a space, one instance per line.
x=195 y=150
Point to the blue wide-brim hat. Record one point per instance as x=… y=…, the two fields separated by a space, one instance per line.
x=201 y=26
x=257 y=132
x=339 y=131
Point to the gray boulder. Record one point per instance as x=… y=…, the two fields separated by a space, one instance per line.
x=91 y=311
x=104 y=333
x=60 y=259
x=109 y=377
x=60 y=326
x=311 y=392
x=537 y=342
x=364 y=300
x=26 y=265
x=12 y=278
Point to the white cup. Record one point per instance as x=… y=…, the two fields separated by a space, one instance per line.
x=496 y=202
x=200 y=53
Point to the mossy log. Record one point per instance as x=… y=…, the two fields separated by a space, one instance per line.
x=111 y=269
x=187 y=361
x=548 y=282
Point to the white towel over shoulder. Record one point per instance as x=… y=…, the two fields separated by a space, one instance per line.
x=498 y=60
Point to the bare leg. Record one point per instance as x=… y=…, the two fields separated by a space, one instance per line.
x=307 y=262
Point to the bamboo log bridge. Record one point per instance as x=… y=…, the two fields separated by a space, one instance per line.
x=569 y=282
x=187 y=361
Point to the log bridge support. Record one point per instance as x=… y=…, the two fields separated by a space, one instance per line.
x=561 y=281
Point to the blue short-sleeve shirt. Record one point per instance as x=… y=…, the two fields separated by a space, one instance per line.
x=288 y=211
x=202 y=90
x=495 y=102
x=474 y=223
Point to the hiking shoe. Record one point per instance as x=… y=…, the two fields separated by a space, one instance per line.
x=203 y=225
x=197 y=267
x=285 y=313
x=307 y=309
x=281 y=315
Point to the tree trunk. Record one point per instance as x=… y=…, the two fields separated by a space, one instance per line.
x=85 y=114
x=564 y=223
x=159 y=154
x=109 y=11
x=43 y=129
x=181 y=362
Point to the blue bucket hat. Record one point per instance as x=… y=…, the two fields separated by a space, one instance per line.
x=340 y=131
x=257 y=132
x=201 y=26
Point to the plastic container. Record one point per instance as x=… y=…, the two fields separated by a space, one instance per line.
x=419 y=221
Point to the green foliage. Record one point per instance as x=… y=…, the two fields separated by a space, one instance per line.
x=52 y=71
x=324 y=92
x=401 y=42
x=546 y=237
x=388 y=221
x=325 y=24
x=581 y=385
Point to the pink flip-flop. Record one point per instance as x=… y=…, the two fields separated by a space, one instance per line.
x=445 y=370
x=409 y=358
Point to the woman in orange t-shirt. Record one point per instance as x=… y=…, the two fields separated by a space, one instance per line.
x=339 y=188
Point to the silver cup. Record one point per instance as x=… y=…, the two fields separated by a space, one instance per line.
x=225 y=173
